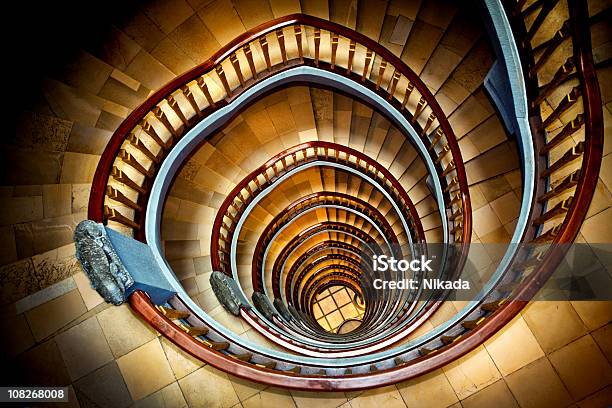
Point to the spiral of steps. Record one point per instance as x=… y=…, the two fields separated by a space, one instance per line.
x=259 y=228
x=311 y=142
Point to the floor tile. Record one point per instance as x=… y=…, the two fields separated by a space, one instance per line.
x=245 y=389
x=599 y=399
x=418 y=392
x=271 y=397
x=124 y=330
x=43 y=365
x=104 y=387
x=84 y=348
x=582 y=367
x=603 y=338
x=180 y=362
x=379 y=397
x=168 y=397
x=553 y=323
x=21 y=336
x=307 y=399
x=496 y=394
x=594 y=314
x=145 y=369
x=91 y=298
x=208 y=387
x=517 y=337
x=53 y=315
x=538 y=385
x=471 y=373
x=596 y=228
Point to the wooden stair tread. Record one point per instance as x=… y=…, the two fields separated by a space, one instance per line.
x=471 y=324
x=173 y=314
x=194 y=331
x=216 y=345
x=492 y=306
x=270 y=364
x=243 y=356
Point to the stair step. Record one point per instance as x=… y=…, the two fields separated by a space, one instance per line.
x=425 y=351
x=295 y=370
x=194 y=331
x=243 y=356
x=450 y=339
x=216 y=345
x=270 y=364
x=173 y=314
x=492 y=306
x=471 y=324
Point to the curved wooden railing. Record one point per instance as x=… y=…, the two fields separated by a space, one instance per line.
x=369 y=246
x=297 y=208
x=294 y=275
x=311 y=201
x=561 y=213
x=233 y=207
x=120 y=189
x=141 y=143
x=189 y=332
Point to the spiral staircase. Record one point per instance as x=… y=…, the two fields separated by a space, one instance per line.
x=310 y=142
x=390 y=179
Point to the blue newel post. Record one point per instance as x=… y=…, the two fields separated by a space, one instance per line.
x=117 y=265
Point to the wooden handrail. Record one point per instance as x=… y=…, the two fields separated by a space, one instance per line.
x=506 y=312
x=321 y=151
x=166 y=94
x=290 y=247
x=564 y=232
x=291 y=292
x=106 y=164
x=294 y=209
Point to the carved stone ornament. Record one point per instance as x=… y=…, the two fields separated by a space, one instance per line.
x=262 y=303
x=226 y=291
x=101 y=263
x=294 y=312
x=282 y=309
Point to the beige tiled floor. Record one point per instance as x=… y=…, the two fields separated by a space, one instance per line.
x=553 y=323
x=208 y=387
x=123 y=330
x=582 y=367
x=84 y=348
x=145 y=369
x=472 y=373
x=553 y=354
x=538 y=385
x=417 y=393
x=520 y=340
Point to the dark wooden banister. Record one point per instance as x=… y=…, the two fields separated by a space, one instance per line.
x=567 y=233
x=243 y=40
x=292 y=293
x=288 y=250
x=316 y=146
x=103 y=171
x=296 y=207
